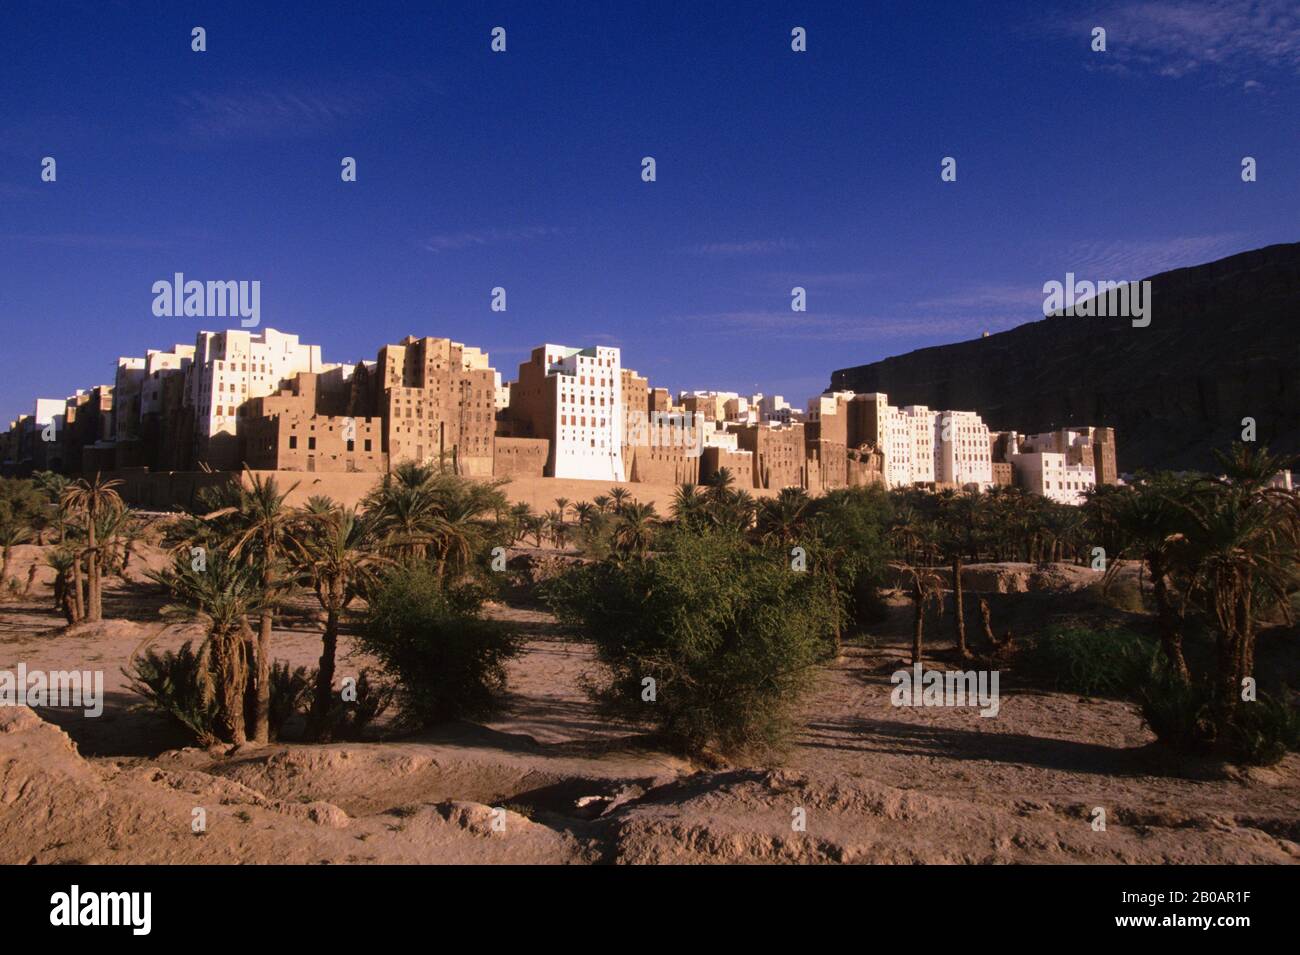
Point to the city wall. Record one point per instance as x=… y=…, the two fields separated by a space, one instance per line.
x=160 y=491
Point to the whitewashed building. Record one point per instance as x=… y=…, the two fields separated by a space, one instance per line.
x=963 y=454
x=574 y=398
x=231 y=367
x=1049 y=473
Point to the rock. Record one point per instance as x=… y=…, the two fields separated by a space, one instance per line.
x=1169 y=405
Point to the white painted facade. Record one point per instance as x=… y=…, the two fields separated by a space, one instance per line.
x=1048 y=474
x=962 y=452
x=589 y=409
x=774 y=408
x=233 y=366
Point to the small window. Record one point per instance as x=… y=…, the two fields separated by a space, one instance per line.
x=311 y=444
x=293 y=441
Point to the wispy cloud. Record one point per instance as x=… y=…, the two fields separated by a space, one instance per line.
x=453 y=241
x=1127 y=259
x=748 y=247
x=291 y=110
x=820 y=280
x=984 y=298
x=1176 y=38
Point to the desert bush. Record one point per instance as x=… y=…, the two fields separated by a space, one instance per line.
x=172 y=683
x=1182 y=715
x=1178 y=711
x=23 y=503
x=1112 y=663
x=1262 y=732
x=290 y=694
x=179 y=685
x=349 y=720
x=447 y=661
x=728 y=633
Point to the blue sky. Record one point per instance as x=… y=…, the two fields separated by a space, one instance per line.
x=522 y=170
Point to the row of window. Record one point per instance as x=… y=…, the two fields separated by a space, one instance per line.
x=311 y=444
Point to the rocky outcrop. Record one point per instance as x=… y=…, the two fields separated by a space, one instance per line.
x=1221 y=346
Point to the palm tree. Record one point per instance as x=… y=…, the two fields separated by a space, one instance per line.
x=90 y=499
x=562 y=503
x=720 y=482
x=914 y=536
x=409 y=474
x=783 y=518
x=584 y=510
x=406 y=515
x=221 y=596
x=744 y=507
x=53 y=485
x=1146 y=519
x=924 y=587
x=319 y=504
x=556 y=527
x=516 y=517
x=66 y=598
x=338 y=556
x=634 y=529
x=423 y=513
x=619 y=497
x=602 y=502
x=117 y=531
x=1239 y=552
x=536 y=525
x=959 y=523
x=266 y=533
x=12 y=534
x=466 y=520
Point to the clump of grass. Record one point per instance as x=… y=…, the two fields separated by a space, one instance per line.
x=1111 y=663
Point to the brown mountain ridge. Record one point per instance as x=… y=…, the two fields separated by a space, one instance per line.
x=1223 y=344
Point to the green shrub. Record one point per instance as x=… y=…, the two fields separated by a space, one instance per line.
x=1112 y=663
x=290 y=694
x=728 y=632
x=1263 y=731
x=1181 y=715
x=1178 y=712
x=447 y=661
x=349 y=720
x=170 y=683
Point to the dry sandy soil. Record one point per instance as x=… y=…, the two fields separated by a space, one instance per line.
x=877 y=783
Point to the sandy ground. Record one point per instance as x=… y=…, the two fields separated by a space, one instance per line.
x=875 y=783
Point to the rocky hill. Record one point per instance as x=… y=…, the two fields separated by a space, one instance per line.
x=1223 y=344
